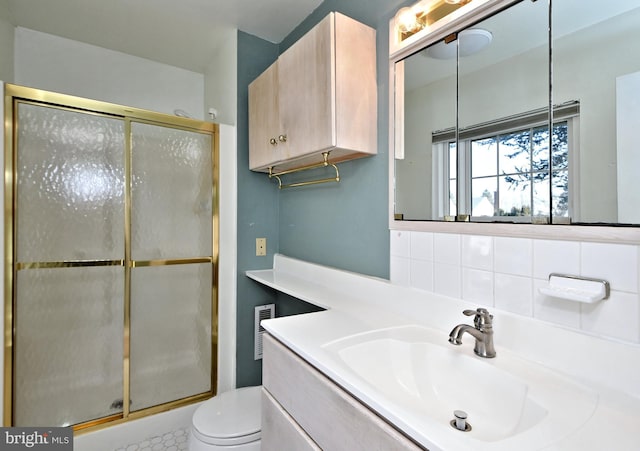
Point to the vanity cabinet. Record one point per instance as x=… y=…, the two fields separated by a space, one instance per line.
x=320 y=95
x=304 y=410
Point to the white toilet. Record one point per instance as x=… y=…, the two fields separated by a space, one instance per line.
x=229 y=421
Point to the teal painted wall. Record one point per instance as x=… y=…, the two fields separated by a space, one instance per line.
x=257 y=212
x=342 y=225
x=345 y=225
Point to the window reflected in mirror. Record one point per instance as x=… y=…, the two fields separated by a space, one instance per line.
x=509 y=173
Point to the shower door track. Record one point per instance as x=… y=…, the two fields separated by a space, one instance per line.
x=18 y=94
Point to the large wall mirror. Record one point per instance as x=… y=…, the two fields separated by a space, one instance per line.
x=484 y=138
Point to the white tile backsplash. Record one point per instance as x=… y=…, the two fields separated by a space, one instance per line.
x=446 y=248
x=513 y=256
x=446 y=279
x=617 y=317
x=477 y=286
x=421 y=246
x=617 y=263
x=399 y=244
x=421 y=275
x=506 y=273
x=399 y=270
x=555 y=256
x=477 y=252
x=554 y=310
x=514 y=294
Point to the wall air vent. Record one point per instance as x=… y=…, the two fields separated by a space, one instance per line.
x=261 y=312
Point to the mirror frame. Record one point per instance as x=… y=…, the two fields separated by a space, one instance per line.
x=462 y=18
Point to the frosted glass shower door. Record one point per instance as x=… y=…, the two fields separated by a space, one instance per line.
x=172 y=274
x=69 y=282
x=110 y=297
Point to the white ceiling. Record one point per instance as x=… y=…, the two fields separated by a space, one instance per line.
x=183 y=33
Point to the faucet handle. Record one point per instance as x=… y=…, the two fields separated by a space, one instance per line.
x=482 y=317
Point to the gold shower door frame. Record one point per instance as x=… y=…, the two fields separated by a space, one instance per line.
x=13 y=96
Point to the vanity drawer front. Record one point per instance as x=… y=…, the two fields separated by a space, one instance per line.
x=280 y=432
x=332 y=418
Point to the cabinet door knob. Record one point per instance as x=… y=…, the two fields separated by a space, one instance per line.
x=282 y=138
x=273 y=142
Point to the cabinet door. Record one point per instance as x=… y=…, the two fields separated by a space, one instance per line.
x=280 y=432
x=307 y=91
x=264 y=123
x=328 y=415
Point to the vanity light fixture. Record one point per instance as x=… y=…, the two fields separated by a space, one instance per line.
x=413 y=19
x=407 y=21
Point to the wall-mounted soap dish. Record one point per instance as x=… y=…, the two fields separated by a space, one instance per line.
x=576 y=288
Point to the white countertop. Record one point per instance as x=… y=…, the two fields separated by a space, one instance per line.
x=358 y=304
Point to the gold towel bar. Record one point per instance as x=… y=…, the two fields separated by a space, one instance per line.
x=325 y=163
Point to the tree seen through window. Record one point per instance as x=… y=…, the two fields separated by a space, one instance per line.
x=511 y=173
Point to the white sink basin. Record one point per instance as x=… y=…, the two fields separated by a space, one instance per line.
x=425 y=379
x=434 y=379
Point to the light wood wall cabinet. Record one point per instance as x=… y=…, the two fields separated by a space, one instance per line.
x=304 y=410
x=320 y=95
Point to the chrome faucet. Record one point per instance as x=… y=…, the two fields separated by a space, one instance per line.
x=482 y=331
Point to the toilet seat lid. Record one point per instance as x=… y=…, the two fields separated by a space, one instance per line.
x=232 y=416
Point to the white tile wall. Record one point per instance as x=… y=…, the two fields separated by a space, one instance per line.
x=555 y=256
x=400 y=242
x=477 y=286
x=421 y=246
x=616 y=263
x=514 y=293
x=616 y=317
x=446 y=279
x=421 y=274
x=401 y=270
x=553 y=310
x=446 y=248
x=477 y=252
x=400 y=253
x=506 y=273
x=513 y=256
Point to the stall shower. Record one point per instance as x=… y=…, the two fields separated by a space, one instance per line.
x=111 y=261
